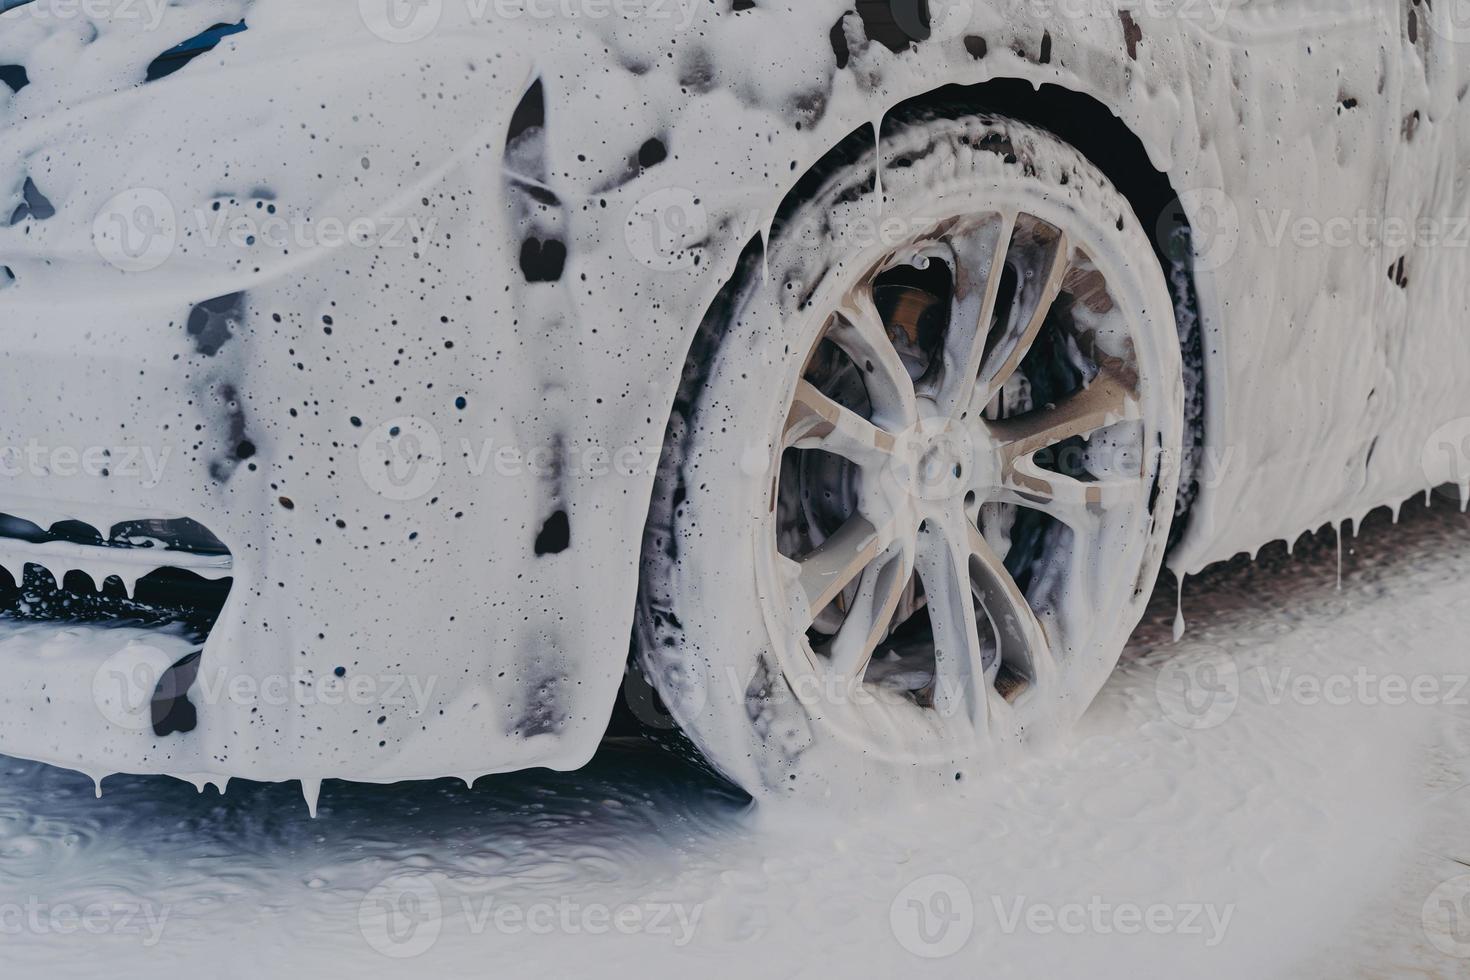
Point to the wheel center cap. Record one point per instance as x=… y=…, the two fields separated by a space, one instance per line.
x=939 y=462
x=936 y=460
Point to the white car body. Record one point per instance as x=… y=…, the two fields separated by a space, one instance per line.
x=1331 y=358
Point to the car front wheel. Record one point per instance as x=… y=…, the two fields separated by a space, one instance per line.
x=919 y=479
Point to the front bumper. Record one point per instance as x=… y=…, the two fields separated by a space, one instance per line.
x=331 y=409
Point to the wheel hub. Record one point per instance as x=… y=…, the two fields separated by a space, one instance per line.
x=934 y=464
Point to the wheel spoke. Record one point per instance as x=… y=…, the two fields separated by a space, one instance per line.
x=979 y=260
x=1033 y=303
x=824 y=573
x=1076 y=503
x=1019 y=636
x=943 y=565
x=860 y=332
x=817 y=421
x=1094 y=589
x=1107 y=400
x=882 y=587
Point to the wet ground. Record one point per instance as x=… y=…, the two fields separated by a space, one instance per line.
x=1283 y=793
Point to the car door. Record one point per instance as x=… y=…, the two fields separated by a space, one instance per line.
x=1425 y=258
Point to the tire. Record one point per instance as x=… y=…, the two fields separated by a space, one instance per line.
x=889 y=550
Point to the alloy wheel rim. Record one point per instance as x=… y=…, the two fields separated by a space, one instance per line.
x=926 y=459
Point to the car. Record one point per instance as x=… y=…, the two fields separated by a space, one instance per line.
x=386 y=387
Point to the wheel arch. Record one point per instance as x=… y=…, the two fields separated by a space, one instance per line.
x=672 y=630
x=1081 y=120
